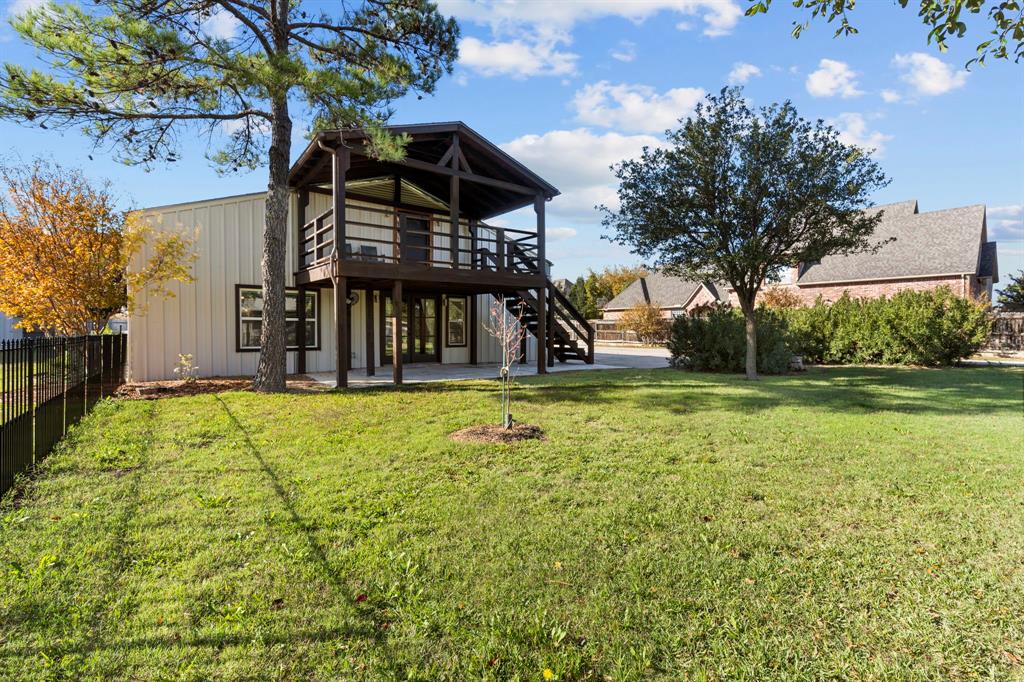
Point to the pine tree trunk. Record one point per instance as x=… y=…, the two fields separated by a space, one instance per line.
x=270 y=374
x=751 y=325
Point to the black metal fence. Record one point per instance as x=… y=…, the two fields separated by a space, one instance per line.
x=46 y=386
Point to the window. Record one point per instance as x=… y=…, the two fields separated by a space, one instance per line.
x=250 y=318
x=455 y=321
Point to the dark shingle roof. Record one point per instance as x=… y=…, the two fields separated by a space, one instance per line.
x=926 y=244
x=665 y=291
x=989 y=263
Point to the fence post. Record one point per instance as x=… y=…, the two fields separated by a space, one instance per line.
x=31 y=384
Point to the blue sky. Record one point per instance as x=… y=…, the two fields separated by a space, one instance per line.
x=571 y=87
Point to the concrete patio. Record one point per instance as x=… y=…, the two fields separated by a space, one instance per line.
x=606 y=357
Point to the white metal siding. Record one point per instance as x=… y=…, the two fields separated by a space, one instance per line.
x=201 y=317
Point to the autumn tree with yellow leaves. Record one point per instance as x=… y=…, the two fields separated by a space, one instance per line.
x=65 y=250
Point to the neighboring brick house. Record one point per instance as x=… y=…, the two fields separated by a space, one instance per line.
x=674 y=295
x=948 y=247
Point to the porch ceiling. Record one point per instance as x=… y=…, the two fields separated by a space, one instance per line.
x=426 y=168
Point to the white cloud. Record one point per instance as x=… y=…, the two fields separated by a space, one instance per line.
x=260 y=126
x=634 y=107
x=516 y=58
x=891 y=96
x=546 y=18
x=833 y=78
x=19 y=7
x=625 y=52
x=578 y=162
x=928 y=75
x=1007 y=221
x=742 y=72
x=221 y=25
x=557 y=234
x=853 y=129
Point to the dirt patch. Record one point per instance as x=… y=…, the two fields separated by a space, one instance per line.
x=155 y=390
x=492 y=433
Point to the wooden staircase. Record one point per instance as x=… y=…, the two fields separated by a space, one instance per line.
x=571 y=336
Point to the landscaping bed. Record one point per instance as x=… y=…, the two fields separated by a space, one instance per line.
x=846 y=523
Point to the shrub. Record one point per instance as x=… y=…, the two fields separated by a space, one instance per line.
x=780 y=298
x=716 y=341
x=933 y=327
x=646 y=322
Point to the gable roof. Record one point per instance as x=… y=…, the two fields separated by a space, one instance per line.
x=946 y=242
x=429 y=145
x=664 y=291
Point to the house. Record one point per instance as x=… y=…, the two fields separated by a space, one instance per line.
x=675 y=296
x=922 y=251
x=948 y=247
x=389 y=263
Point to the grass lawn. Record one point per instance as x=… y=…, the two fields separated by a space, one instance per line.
x=859 y=523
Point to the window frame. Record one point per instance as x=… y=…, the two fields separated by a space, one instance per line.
x=239 y=348
x=465 y=322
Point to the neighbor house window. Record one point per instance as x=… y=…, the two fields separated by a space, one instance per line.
x=455 y=322
x=250 y=318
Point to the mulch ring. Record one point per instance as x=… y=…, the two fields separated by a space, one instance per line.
x=155 y=390
x=493 y=433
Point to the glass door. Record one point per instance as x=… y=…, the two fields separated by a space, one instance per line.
x=420 y=329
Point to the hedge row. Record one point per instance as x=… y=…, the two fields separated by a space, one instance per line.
x=933 y=327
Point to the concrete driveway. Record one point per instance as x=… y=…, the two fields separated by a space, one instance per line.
x=605 y=357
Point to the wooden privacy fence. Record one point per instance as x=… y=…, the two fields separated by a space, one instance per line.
x=46 y=386
x=1007 y=332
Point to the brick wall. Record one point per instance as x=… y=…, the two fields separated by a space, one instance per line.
x=830 y=292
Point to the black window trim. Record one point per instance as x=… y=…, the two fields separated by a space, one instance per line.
x=290 y=349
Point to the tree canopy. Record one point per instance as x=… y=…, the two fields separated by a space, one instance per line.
x=944 y=19
x=739 y=194
x=138 y=76
x=1012 y=295
x=65 y=249
x=589 y=294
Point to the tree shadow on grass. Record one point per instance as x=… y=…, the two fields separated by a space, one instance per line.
x=372 y=614
x=850 y=390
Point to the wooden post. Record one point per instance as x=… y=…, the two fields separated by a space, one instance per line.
x=453 y=216
x=341 y=163
x=453 y=202
x=371 y=355
x=396 y=332
x=538 y=208
x=499 y=247
x=300 y=333
x=341 y=325
x=542 y=331
x=551 y=325
x=302 y=202
x=473 y=323
x=473 y=246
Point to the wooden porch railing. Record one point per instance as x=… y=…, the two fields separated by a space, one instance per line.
x=485 y=248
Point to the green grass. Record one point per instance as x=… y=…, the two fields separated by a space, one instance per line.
x=847 y=523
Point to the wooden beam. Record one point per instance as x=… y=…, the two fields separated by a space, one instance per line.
x=550 y=326
x=473 y=323
x=396 y=332
x=469 y=177
x=371 y=354
x=542 y=331
x=342 y=160
x=453 y=220
x=300 y=334
x=341 y=330
x=538 y=208
x=415 y=272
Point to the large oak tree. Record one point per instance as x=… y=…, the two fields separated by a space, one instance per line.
x=739 y=194
x=140 y=75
